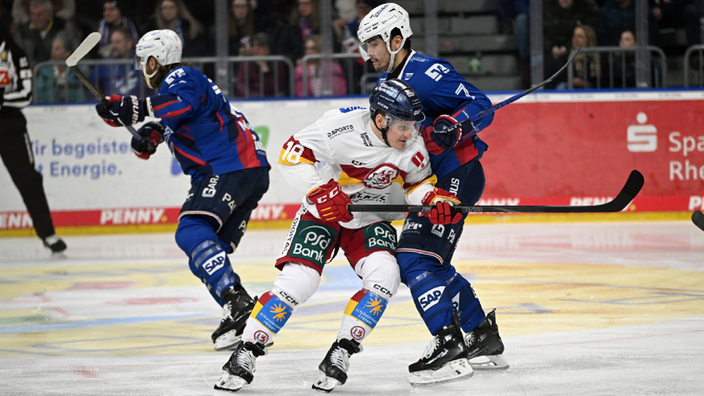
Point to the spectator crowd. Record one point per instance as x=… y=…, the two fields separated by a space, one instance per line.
x=51 y=29
x=567 y=24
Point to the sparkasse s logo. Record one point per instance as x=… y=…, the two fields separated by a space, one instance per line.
x=642 y=138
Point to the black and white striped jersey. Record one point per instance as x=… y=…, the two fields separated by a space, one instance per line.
x=15 y=75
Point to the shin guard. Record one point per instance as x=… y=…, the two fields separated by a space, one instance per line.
x=465 y=300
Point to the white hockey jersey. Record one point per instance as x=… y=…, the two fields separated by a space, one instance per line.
x=342 y=145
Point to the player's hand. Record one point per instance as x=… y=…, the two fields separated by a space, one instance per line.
x=441 y=137
x=330 y=202
x=152 y=134
x=121 y=110
x=443 y=201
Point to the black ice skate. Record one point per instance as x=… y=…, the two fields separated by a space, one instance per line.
x=238 y=306
x=56 y=244
x=239 y=370
x=333 y=369
x=445 y=359
x=485 y=345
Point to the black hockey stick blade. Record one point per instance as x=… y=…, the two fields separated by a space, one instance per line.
x=72 y=62
x=628 y=193
x=473 y=119
x=698 y=219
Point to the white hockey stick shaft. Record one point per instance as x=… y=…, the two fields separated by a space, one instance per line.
x=72 y=62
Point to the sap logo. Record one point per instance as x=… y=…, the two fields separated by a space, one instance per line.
x=436 y=71
x=210 y=191
x=408 y=76
x=431 y=297
x=173 y=75
x=215 y=263
x=642 y=138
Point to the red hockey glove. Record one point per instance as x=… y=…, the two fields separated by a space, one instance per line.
x=121 y=110
x=437 y=138
x=152 y=134
x=442 y=213
x=330 y=202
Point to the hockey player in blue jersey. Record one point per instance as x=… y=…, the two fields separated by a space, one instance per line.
x=425 y=250
x=215 y=145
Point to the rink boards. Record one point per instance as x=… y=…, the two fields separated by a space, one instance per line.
x=545 y=149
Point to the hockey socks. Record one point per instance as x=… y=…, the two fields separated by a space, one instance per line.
x=361 y=315
x=465 y=301
x=433 y=301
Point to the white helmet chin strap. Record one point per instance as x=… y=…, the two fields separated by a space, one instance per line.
x=148 y=78
x=393 y=53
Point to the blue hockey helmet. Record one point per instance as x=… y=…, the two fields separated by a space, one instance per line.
x=396 y=100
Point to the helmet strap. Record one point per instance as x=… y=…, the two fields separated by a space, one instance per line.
x=393 y=53
x=383 y=130
x=148 y=77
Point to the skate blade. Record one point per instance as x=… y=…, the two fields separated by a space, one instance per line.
x=455 y=370
x=229 y=382
x=325 y=384
x=228 y=341
x=489 y=362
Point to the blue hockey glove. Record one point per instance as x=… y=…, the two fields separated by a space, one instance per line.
x=439 y=138
x=152 y=134
x=122 y=110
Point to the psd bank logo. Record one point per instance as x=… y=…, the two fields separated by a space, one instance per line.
x=642 y=138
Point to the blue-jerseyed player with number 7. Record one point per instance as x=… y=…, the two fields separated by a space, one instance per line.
x=215 y=145
x=425 y=250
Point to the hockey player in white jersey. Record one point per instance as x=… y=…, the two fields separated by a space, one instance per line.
x=370 y=156
x=441 y=294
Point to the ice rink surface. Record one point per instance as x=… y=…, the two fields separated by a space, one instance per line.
x=607 y=308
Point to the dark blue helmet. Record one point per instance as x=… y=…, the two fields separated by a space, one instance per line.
x=395 y=98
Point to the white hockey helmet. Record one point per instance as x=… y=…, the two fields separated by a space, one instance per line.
x=381 y=21
x=163 y=45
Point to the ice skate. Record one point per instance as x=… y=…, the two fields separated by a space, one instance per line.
x=445 y=359
x=485 y=345
x=239 y=370
x=238 y=306
x=56 y=244
x=333 y=369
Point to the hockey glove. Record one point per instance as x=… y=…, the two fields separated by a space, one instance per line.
x=443 y=201
x=330 y=202
x=152 y=134
x=440 y=137
x=121 y=110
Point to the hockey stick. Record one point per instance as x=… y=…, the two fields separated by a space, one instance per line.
x=510 y=100
x=698 y=219
x=628 y=193
x=72 y=62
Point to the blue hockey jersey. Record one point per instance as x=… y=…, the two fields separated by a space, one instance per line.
x=443 y=90
x=205 y=134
